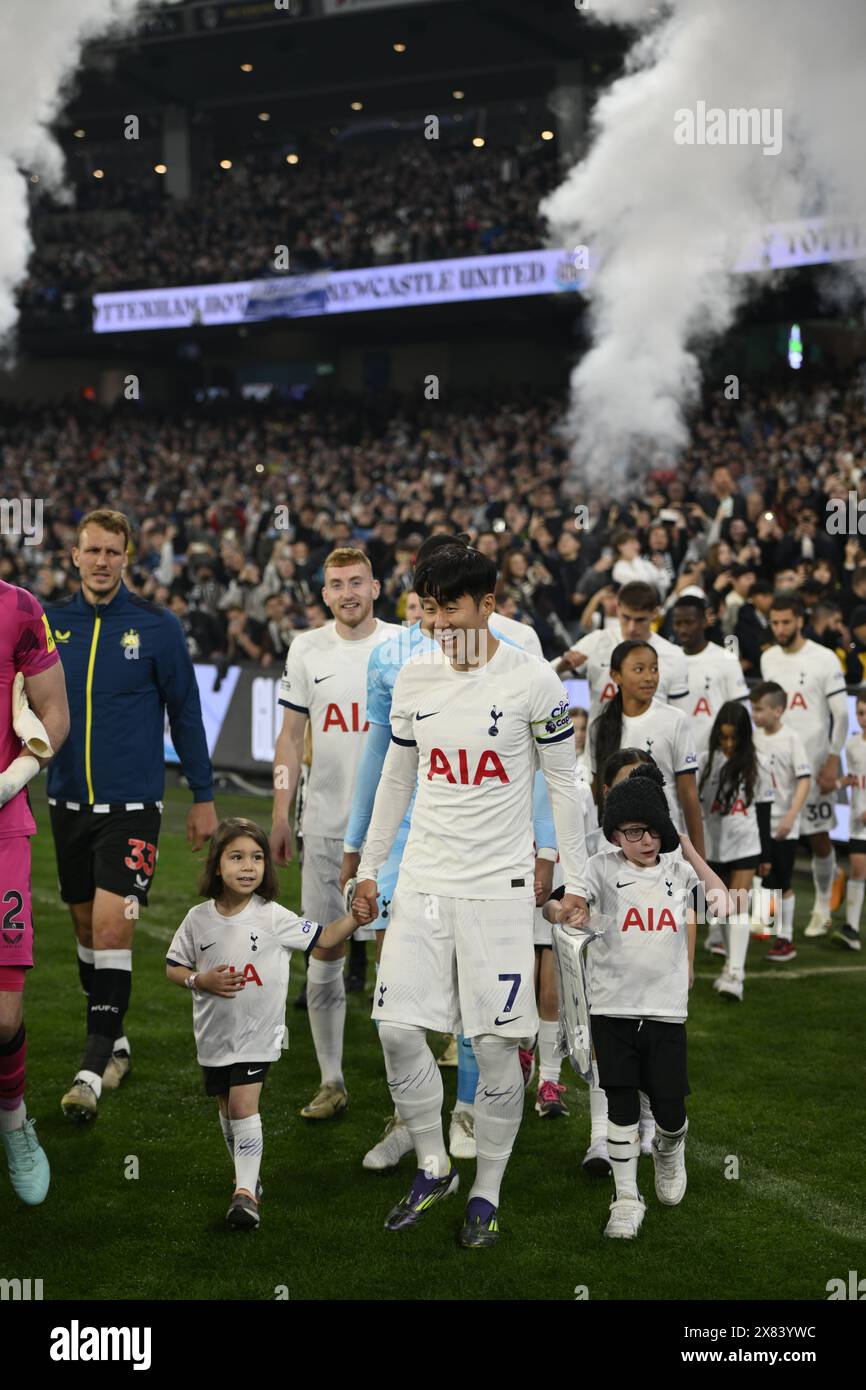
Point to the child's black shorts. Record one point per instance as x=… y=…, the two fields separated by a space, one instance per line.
x=726 y=868
x=857 y=846
x=218 y=1081
x=641 y=1053
x=782 y=856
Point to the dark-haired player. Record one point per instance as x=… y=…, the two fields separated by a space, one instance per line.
x=817 y=710
x=470 y=723
x=715 y=675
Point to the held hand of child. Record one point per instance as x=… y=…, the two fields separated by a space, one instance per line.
x=362 y=911
x=222 y=980
x=573 y=911
x=783 y=829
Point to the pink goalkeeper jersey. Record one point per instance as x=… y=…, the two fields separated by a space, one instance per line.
x=26 y=644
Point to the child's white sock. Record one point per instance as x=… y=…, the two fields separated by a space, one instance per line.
x=247 y=1136
x=623 y=1147
x=226 y=1127
x=549 y=1060
x=738 y=942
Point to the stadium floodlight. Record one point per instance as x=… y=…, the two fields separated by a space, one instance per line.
x=292 y=158
x=225 y=164
x=246 y=67
x=458 y=95
x=99 y=173
x=478 y=141
x=795 y=347
x=399 y=47
x=547 y=135
x=264 y=115
x=160 y=168
x=79 y=134
x=357 y=105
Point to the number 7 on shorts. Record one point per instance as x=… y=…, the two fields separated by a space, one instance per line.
x=512 y=994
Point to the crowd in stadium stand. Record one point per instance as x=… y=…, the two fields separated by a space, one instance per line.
x=237 y=554
x=341 y=207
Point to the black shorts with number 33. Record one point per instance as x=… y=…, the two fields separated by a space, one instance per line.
x=114 y=849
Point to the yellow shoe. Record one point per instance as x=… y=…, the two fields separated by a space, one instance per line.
x=116 y=1071
x=837 y=893
x=328 y=1101
x=449 y=1056
x=79 y=1104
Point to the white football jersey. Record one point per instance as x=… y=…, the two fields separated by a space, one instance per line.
x=521 y=634
x=735 y=835
x=665 y=733
x=325 y=677
x=673 y=676
x=787 y=761
x=715 y=675
x=855 y=762
x=477 y=734
x=809 y=677
x=256 y=942
x=639 y=967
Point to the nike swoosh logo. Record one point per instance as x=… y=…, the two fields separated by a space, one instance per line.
x=317 y=680
x=427 y=716
x=498 y=1022
x=207 y=947
x=256 y=1072
x=625 y=885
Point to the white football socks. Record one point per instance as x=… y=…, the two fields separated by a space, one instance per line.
x=248 y=1143
x=498 y=1112
x=823 y=874
x=785 y=921
x=13 y=1119
x=549 y=1059
x=623 y=1147
x=415 y=1082
x=854 y=902
x=326 y=1009
x=738 y=943
x=92 y=1080
x=597 y=1108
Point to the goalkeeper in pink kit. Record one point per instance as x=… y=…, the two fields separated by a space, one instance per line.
x=30 y=675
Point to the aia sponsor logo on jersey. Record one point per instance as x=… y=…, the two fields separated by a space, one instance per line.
x=456 y=770
x=335 y=719
x=702 y=707
x=739 y=808
x=250 y=973
x=654 y=921
x=608 y=693
x=798 y=701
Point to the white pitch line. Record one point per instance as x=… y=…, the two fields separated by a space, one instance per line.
x=787 y=974
x=768 y=1184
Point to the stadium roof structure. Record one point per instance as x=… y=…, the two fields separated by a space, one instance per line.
x=307 y=65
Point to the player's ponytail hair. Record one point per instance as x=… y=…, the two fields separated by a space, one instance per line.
x=740 y=772
x=232 y=828
x=606 y=731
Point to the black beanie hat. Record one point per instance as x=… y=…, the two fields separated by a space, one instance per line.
x=641 y=797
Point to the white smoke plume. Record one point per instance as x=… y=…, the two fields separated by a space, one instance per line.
x=40 y=50
x=663 y=221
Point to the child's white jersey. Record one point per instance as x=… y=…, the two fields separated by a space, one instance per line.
x=639 y=967
x=255 y=942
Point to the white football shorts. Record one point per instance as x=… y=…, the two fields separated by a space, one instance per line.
x=458 y=965
x=321 y=899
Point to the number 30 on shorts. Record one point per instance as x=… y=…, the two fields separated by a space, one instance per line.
x=143 y=856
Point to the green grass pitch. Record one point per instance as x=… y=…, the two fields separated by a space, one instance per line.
x=777 y=1085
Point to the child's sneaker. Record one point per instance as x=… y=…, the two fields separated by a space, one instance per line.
x=626 y=1217
x=782 y=950
x=848 y=937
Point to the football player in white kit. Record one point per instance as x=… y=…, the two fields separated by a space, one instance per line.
x=325 y=681
x=636 y=606
x=855 y=778
x=792 y=778
x=714 y=673
x=470 y=723
x=817 y=710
